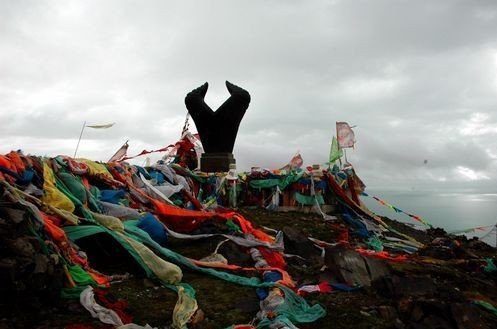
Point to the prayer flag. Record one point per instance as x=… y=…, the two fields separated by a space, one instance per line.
x=345 y=135
x=120 y=154
x=105 y=126
x=397 y=209
x=335 y=152
x=296 y=162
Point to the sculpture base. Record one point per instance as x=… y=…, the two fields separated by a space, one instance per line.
x=216 y=162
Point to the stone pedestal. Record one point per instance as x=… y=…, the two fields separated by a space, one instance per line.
x=216 y=162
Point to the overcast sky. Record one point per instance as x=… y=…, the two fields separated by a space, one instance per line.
x=417 y=78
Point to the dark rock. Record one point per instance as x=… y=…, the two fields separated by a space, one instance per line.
x=147 y=283
x=436 y=322
x=405 y=305
x=479 y=245
x=41 y=263
x=348 y=266
x=417 y=313
x=15 y=215
x=450 y=293
x=387 y=312
x=235 y=254
x=197 y=318
x=438 y=252
x=436 y=232
x=398 y=324
x=414 y=286
x=374 y=313
x=354 y=269
x=23 y=247
x=211 y=226
x=377 y=269
x=397 y=286
x=430 y=313
x=466 y=316
x=297 y=243
x=248 y=305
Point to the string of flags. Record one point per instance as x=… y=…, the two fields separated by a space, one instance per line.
x=164 y=149
x=473 y=229
x=398 y=210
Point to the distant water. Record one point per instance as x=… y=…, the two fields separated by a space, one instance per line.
x=450 y=211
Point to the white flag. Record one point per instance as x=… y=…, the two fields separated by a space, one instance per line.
x=121 y=153
x=105 y=126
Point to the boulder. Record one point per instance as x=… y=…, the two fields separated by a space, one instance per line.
x=467 y=316
x=297 y=243
x=352 y=268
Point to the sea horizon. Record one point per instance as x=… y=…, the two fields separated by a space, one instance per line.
x=452 y=210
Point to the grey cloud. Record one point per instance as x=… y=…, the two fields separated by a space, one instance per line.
x=410 y=75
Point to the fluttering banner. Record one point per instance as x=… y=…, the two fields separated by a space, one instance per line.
x=164 y=149
x=121 y=153
x=105 y=126
x=398 y=210
x=296 y=162
x=335 y=152
x=345 y=135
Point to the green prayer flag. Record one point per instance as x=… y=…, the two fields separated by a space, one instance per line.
x=335 y=152
x=308 y=200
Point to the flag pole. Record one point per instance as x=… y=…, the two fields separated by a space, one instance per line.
x=79 y=140
x=329 y=157
x=186 y=125
x=338 y=144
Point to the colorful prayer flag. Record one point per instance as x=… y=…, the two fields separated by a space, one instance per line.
x=398 y=210
x=296 y=162
x=345 y=135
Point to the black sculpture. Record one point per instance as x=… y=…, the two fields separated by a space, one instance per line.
x=218 y=129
